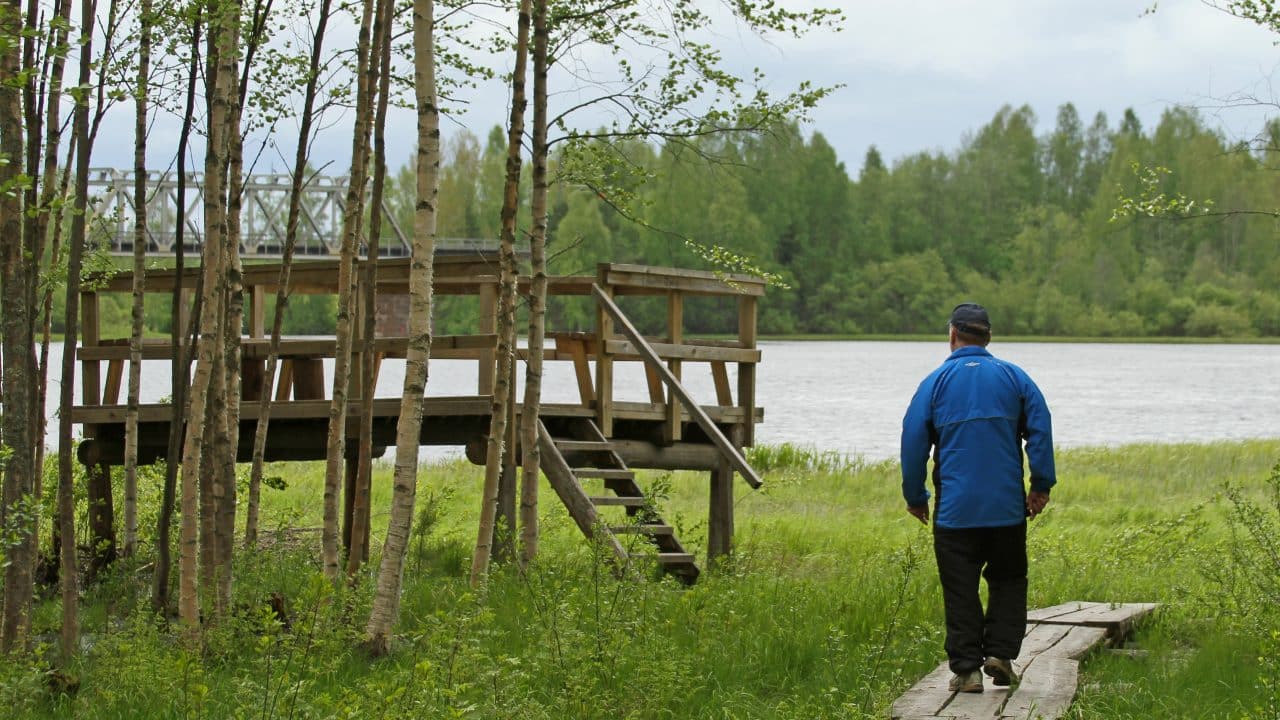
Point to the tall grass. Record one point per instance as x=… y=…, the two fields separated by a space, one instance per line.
x=829 y=609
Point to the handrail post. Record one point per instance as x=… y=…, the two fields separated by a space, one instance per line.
x=488 y=364
x=604 y=362
x=747 y=307
x=90 y=370
x=675 y=335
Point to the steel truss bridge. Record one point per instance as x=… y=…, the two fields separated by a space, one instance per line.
x=265 y=210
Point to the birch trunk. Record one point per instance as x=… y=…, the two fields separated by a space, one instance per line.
x=221 y=17
x=70 y=634
x=225 y=493
x=181 y=375
x=286 y=265
x=352 y=220
x=36 y=224
x=506 y=308
x=139 y=280
x=537 y=295
x=18 y=370
x=359 y=529
x=386 y=600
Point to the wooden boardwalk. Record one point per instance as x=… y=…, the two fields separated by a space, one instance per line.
x=1057 y=637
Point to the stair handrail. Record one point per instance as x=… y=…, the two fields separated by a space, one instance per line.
x=650 y=357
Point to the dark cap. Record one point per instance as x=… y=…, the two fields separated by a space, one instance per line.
x=971 y=318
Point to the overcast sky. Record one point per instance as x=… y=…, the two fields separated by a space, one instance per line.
x=918 y=75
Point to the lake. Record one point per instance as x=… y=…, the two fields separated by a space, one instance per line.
x=849 y=396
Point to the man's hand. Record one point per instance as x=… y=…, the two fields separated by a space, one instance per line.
x=920 y=512
x=1036 y=500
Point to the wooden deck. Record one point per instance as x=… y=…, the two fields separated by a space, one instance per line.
x=672 y=431
x=1057 y=638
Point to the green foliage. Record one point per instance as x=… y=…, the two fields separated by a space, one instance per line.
x=829 y=607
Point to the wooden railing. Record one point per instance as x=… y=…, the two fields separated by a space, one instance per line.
x=301 y=376
x=654 y=364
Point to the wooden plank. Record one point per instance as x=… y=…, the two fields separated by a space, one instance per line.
x=581 y=508
x=642 y=530
x=625 y=350
x=603 y=474
x=284 y=385
x=115 y=375
x=653 y=381
x=1038 y=639
x=442 y=347
x=986 y=704
x=690 y=281
x=1047 y=691
x=720 y=376
x=609 y=500
x=722 y=443
x=1057 y=611
x=257 y=311
x=927 y=697
x=1077 y=642
x=582 y=445
x=577 y=349
x=1099 y=614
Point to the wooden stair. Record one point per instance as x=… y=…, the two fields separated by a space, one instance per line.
x=595 y=460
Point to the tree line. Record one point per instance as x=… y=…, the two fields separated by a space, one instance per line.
x=1029 y=224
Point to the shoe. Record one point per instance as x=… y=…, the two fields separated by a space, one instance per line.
x=1000 y=671
x=970 y=682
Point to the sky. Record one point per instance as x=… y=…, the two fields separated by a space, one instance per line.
x=918 y=75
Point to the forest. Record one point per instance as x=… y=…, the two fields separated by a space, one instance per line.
x=1033 y=226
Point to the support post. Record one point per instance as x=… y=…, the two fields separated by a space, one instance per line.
x=747 y=371
x=102 y=534
x=604 y=363
x=720 y=515
x=351 y=468
x=488 y=326
x=675 y=335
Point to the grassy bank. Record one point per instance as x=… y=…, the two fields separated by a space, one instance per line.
x=830 y=608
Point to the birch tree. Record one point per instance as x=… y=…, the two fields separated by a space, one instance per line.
x=381 y=70
x=296 y=183
x=506 y=306
x=386 y=600
x=531 y=462
x=139 y=278
x=351 y=222
x=223 y=18
x=178 y=336
x=15 y=303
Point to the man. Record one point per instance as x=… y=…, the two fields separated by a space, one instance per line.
x=975 y=412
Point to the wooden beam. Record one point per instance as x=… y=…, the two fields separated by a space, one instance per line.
x=577 y=349
x=624 y=350
x=722 y=443
x=720 y=376
x=675 y=335
x=691 y=281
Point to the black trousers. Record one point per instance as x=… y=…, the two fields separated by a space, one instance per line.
x=1000 y=555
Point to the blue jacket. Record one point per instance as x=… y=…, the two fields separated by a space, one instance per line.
x=975 y=411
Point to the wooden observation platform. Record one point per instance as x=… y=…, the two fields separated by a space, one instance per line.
x=590 y=448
